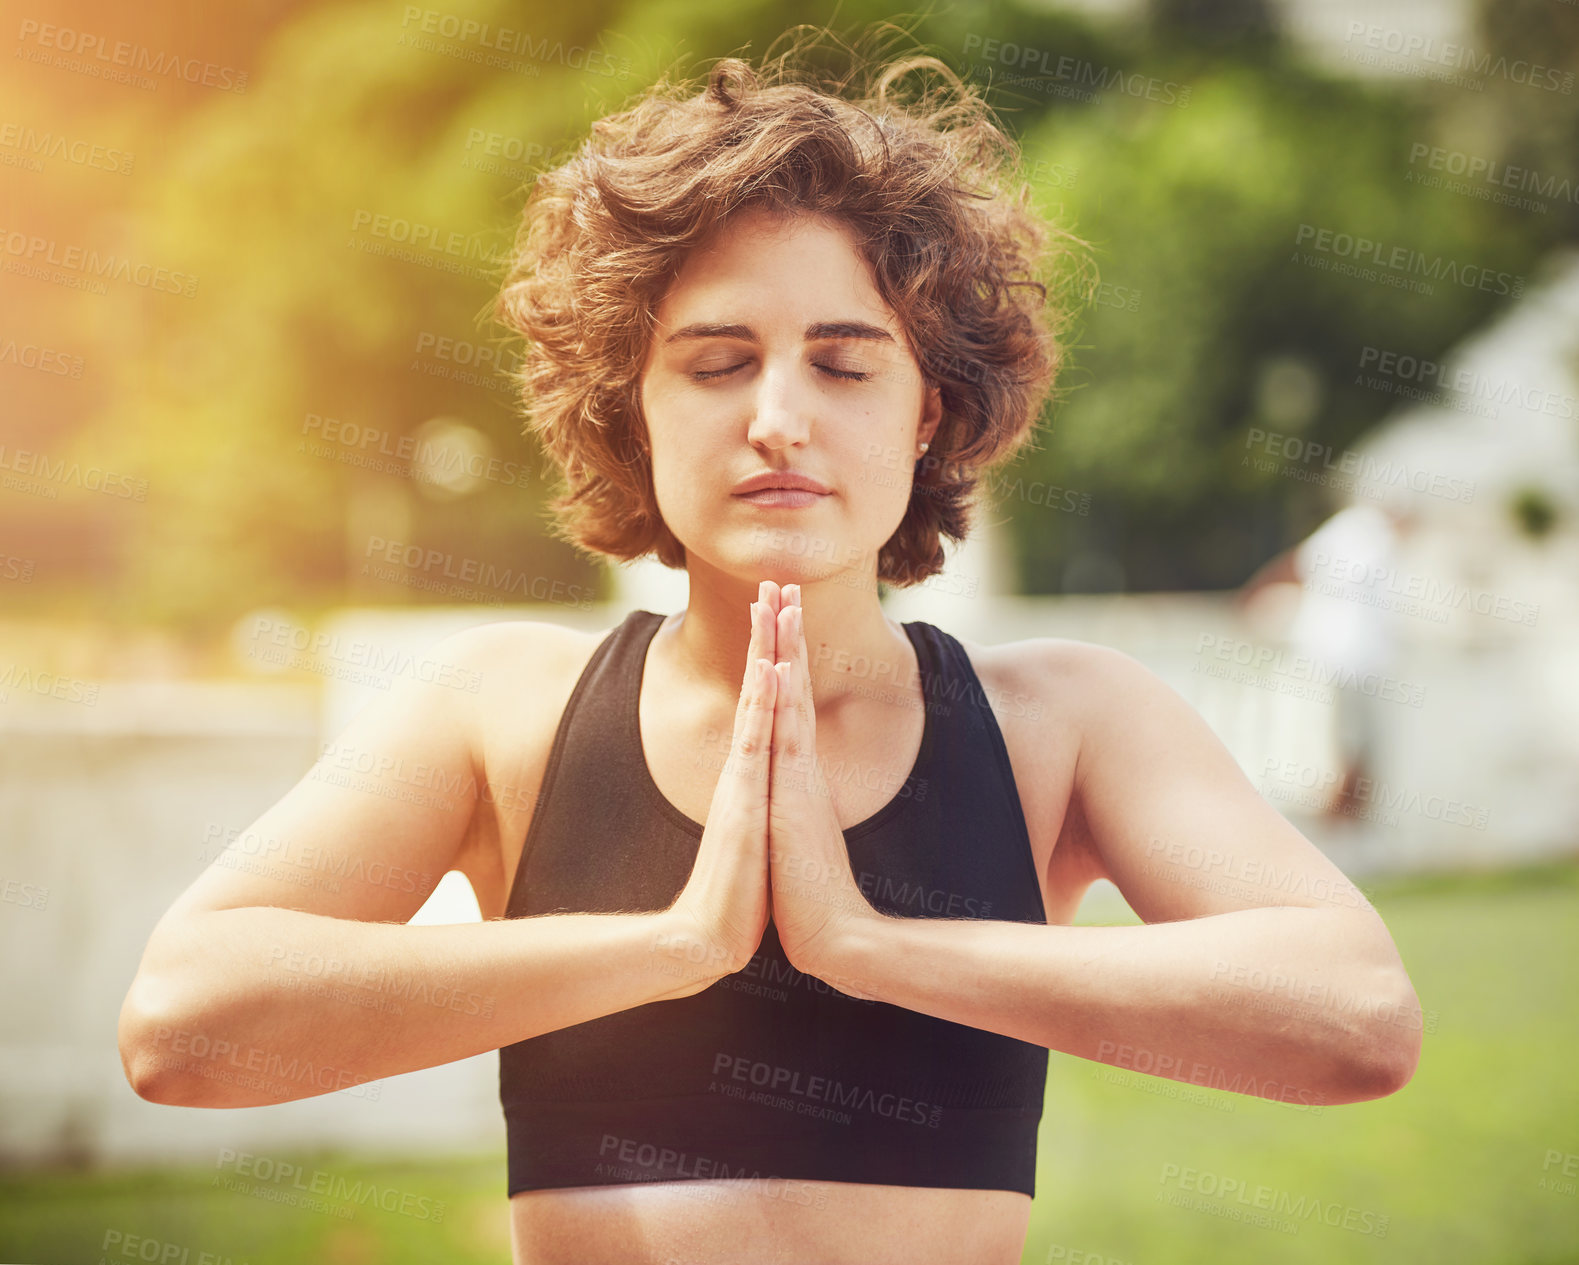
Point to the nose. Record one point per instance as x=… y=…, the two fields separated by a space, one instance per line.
x=780 y=413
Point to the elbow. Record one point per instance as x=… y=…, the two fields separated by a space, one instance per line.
x=1381 y=1058
x=147 y=1079
x=148 y=1059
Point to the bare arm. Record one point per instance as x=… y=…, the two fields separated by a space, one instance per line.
x=1281 y=568
x=1264 y=970
x=286 y=970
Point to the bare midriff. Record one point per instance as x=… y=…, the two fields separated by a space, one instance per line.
x=767 y=1222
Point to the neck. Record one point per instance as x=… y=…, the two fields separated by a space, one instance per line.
x=848 y=637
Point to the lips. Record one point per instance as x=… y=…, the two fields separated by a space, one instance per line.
x=781 y=498
x=780 y=481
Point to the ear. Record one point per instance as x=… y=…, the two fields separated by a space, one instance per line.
x=931 y=413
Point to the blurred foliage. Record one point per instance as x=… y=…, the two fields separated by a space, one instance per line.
x=286 y=200
x=1534 y=511
x=1207 y=325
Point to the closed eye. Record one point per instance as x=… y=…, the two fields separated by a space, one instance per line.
x=702 y=375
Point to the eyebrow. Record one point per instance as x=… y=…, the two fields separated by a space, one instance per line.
x=814 y=332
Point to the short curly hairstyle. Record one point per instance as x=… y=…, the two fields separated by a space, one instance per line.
x=931 y=192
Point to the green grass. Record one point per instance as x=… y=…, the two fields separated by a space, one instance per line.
x=1453 y=1161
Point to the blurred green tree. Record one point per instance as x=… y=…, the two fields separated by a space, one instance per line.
x=346 y=218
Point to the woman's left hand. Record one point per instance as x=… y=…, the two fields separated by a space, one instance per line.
x=816 y=901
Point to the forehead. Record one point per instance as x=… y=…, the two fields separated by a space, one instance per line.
x=780 y=264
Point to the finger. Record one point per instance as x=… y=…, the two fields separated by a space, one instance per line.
x=763 y=638
x=794 y=760
x=753 y=726
x=754 y=646
x=748 y=764
x=786 y=735
x=792 y=651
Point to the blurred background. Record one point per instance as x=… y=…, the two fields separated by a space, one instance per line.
x=1314 y=459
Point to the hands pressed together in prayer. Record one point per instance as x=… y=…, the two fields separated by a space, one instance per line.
x=772 y=841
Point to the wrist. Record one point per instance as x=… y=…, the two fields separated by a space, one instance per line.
x=684 y=951
x=850 y=955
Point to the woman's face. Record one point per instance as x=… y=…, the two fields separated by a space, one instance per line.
x=775 y=353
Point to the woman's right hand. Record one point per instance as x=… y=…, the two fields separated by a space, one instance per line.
x=726 y=901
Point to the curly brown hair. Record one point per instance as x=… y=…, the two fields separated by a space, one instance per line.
x=931 y=190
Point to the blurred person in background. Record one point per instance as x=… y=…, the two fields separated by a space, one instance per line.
x=1342 y=620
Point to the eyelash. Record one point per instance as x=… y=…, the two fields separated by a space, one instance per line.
x=702 y=375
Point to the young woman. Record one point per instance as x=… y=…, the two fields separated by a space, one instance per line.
x=777 y=891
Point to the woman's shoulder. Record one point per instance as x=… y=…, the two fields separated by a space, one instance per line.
x=1042 y=666
x=1097 y=694
x=524 y=671
x=1086 y=690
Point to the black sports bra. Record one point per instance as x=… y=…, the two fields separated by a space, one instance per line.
x=770 y=1072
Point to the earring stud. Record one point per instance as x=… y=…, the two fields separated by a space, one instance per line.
x=924 y=447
